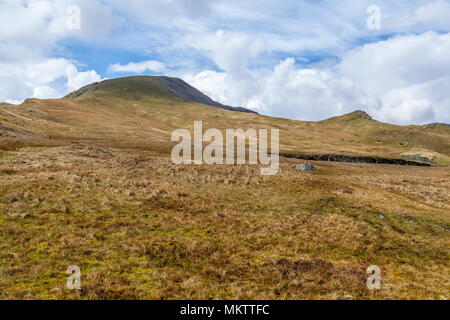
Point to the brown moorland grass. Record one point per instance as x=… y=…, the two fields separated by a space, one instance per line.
x=140 y=227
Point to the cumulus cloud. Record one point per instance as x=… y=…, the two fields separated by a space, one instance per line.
x=395 y=80
x=398 y=62
x=30 y=55
x=408 y=80
x=41 y=78
x=32 y=78
x=140 y=67
x=45 y=92
x=76 y=80
x=231 y=52
x=286 y=91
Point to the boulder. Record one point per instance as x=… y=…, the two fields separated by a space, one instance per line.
x=306 y=167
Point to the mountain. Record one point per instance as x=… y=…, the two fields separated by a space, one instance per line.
x=137 y=88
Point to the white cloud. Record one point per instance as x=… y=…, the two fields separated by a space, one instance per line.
x=140 y=67
x=421 y=103
x=41 y=78
x=408 y=74
x=45 y=71
x=212 y=83
x=287 y=91
x=30 y=55
x=231 y=51
x=10 y=101
x=398 y=62
x=44 y=22
x=31 y=78
x=76 y=80
x=45 y=92
x=394 y=80
x=432 y=14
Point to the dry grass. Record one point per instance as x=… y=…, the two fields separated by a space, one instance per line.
x=142 y=228
x=149 y=123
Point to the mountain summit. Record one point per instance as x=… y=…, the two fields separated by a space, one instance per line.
x=137 y=88
x=360 y=114
x=355 y=115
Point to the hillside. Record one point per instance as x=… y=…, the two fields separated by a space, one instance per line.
x=87 y=180
x=138 y=88
x=139 y=110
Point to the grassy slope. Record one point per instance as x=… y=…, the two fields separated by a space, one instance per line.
x=141 y=227
x=151 y=119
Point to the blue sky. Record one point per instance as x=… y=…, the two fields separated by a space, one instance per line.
x=298 y=59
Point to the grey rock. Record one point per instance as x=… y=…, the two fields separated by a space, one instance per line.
x=361 y=114
x=354 y=159
x=419 y=159
x=306 y=167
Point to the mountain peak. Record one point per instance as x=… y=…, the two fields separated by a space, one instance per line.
x=138 y=87
x=355 y=115
x=360 y=114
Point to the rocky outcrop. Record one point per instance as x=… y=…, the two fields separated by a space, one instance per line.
x=309 y=167
x=419 y=159
x=354 y=159
x=360 y=114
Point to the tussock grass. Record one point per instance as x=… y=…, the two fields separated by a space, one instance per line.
x=142 y=228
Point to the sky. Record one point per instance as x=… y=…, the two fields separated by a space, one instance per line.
x=297 y=59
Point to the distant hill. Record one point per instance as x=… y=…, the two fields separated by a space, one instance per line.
x=356 y=115
x=437 y=125
x=137 y=88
